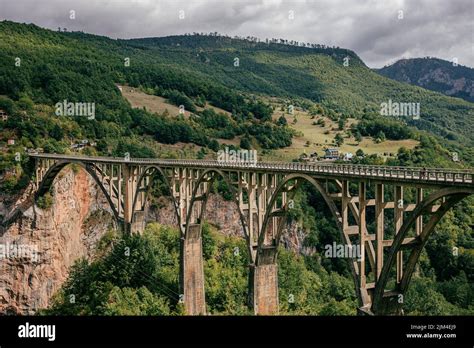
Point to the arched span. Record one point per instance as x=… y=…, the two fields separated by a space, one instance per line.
x=332 y=207
x=151 y=172
x=278 y=190
x=206 y=195
x=56 y=168
x=452 y=196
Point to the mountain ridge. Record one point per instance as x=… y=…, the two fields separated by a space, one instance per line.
x=435 y=74
x=295 y=73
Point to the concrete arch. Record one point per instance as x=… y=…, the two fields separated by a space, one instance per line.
x=452 y=196
x=206 y=195
x=192 y=268
x=334 y=210
x=56 y=168
x=146 y=173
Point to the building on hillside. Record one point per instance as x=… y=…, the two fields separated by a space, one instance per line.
x=304 y=157
x=312 y=157
x=348 y=156
x=78 y=146
x=11 y=142
x=331 y=153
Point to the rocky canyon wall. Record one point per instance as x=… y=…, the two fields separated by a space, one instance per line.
x=41 y=245
x=51 y=240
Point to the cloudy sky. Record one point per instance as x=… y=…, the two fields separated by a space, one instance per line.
x=379 y=31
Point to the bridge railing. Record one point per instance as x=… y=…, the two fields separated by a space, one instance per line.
x=414 y=173
x=372 y=171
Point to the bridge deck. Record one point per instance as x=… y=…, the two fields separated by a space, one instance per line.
x=414 y=175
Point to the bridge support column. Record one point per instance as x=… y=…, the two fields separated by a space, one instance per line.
x=192 y=271
x=264 y=282
x=138 y=222
x=264 y=289
x=127 y=172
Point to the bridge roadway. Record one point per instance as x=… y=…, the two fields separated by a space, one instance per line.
x=416 y=175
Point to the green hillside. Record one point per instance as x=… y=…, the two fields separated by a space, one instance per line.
x=89 y=65
x=39 y=68
x=316 y=74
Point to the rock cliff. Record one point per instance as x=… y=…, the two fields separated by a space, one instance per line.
x=51 y=240
x=43 y=244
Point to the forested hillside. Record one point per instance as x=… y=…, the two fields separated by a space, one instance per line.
x=190 y=70
x=317 y=74
x=146 y=282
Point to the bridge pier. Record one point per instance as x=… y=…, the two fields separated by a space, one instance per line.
x=137 y=225
x=138 y=222
x=264 y=289
x=192 y=271
x=263 y=282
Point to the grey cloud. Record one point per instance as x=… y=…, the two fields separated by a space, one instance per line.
x=369 y=27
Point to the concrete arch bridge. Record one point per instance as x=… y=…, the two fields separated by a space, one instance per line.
x=263 y=194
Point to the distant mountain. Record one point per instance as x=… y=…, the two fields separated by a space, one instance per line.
x=434 y=74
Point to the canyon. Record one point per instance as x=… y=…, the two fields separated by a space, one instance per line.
x=70 y=229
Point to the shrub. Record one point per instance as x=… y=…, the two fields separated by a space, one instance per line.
x=45 y=201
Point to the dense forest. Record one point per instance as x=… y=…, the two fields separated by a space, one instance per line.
x=145 y=281
x=39 y=68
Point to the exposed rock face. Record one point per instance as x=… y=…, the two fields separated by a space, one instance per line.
x=51 y=240
x=220 y=213
x=224 y=215
x=434 y=74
